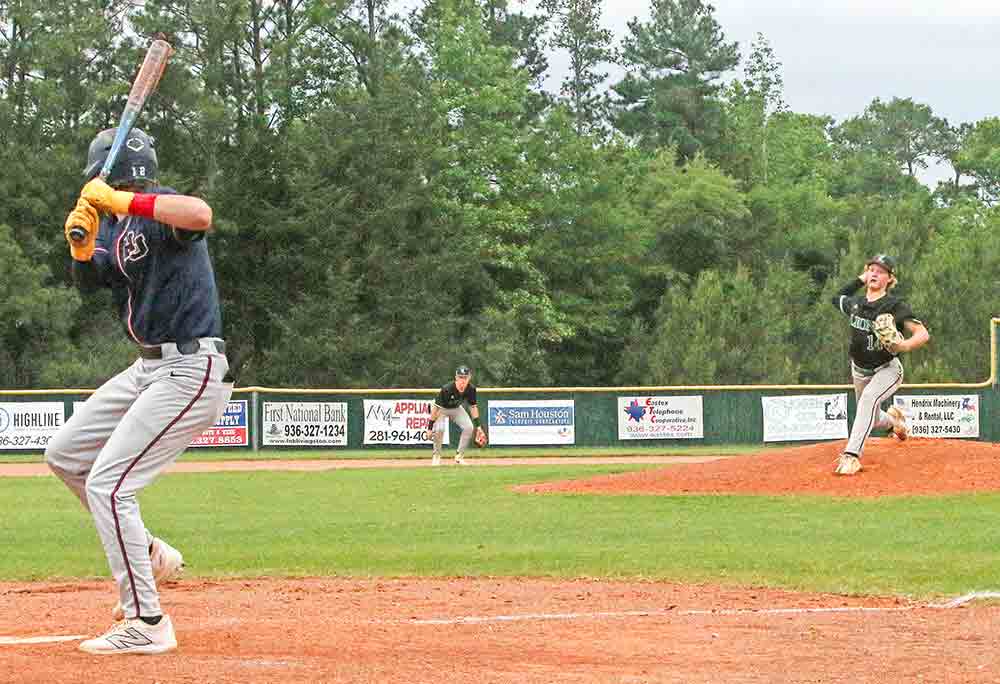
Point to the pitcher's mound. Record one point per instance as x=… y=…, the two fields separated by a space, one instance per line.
x=891 y=467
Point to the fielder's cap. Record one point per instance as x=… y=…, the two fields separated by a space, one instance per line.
x=885 y=261
x=463 y=371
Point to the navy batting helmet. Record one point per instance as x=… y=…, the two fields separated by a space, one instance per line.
x=885 y=261
x=463 y=371
x=136 y=163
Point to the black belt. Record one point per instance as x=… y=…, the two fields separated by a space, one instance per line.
x=189 y=347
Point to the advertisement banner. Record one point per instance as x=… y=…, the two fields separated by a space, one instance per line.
x=301 y=423
x=532 y=422
x=646 y=417
x=941 y=415
x=230 y=430
x=811 y=416
x=400 y=421
x=30 y=424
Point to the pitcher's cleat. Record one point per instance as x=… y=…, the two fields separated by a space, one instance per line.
x=848 y=464
x=900 y=426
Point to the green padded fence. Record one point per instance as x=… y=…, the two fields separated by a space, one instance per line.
x=733 y=414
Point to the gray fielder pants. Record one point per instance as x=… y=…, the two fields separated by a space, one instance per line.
x=115 y=444
x=871 y=388
x=461 y=418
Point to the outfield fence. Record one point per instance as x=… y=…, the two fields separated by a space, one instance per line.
x=262 y=418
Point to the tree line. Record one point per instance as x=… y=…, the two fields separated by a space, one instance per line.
x=395 y=194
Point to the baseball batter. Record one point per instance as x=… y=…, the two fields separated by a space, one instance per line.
x=449 y=403
x=146 y=243
x=874 y=350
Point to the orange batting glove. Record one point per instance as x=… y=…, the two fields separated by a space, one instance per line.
x=83 y=216
x=105 y=198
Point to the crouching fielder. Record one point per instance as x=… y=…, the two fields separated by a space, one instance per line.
x=877 y=319
x=449 y=403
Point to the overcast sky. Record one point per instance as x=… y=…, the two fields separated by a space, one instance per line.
x=837 y=56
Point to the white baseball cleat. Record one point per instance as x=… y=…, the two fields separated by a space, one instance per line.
x=848 y=464
x=167 y=563
x=134 y=636
x=460 y=460
x=900 y=426
x=436 y=461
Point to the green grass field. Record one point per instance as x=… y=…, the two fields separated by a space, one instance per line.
x=467 y=521
x=404 y=453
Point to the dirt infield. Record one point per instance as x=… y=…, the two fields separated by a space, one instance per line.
x=510 y=630
x=528 y=631
x=915 y=467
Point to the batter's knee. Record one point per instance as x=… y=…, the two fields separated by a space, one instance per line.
x=51 y=458
x=55 y=459
x=98 y=491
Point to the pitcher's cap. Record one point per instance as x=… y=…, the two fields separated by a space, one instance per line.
x=885 y=261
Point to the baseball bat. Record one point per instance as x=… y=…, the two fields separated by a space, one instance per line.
x=143 y=86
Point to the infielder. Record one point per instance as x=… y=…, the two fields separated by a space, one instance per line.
x=146 y=243
x=876 y=318
x=449 y=403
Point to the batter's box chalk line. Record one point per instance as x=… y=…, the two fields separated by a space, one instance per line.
x=19 y=641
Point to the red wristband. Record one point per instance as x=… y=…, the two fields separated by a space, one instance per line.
x=142 y=204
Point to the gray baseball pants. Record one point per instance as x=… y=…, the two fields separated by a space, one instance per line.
x=871 y=388
x=115 y=444
x=461 y=418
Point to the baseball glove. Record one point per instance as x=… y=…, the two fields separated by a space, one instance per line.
x=481 y=439
x=885 y=330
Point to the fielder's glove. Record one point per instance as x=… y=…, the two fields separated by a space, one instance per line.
x=886 y=332
x=481 y=439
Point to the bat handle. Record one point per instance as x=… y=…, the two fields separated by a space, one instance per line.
x=77 y=235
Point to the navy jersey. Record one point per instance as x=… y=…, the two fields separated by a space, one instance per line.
x=865 y=350
x=449 y=397
x=164 y=287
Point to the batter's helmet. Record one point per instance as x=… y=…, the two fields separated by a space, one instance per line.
x=463 y=371
x=136 y=162
x=885 y=261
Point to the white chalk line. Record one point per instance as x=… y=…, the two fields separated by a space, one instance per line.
x=967 y=598
x=646 y=613
x=472 y=619
x=13 y=641
x=954 y=603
